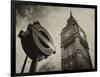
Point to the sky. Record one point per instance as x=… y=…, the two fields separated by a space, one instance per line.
x=53 y=19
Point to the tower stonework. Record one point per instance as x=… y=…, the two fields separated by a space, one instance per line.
x=74 y=47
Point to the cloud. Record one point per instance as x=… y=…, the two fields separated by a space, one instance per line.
x=48 y=66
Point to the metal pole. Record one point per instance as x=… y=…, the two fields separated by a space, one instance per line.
x=24 y=64
x=34 y=64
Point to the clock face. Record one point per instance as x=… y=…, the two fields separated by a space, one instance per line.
x=67 y=34
x=82 y=34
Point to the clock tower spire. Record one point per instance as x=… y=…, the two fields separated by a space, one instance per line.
x=70 y=13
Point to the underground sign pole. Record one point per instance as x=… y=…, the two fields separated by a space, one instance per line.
x=37 y=44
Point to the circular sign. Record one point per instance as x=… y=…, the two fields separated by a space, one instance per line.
x=37 y=40
x=43 y=39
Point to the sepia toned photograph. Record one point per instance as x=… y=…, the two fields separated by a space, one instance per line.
x=54 y=38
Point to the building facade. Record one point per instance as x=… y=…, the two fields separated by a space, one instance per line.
x=74 y=47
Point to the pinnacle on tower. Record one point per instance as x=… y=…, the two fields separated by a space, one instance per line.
x=70 y=13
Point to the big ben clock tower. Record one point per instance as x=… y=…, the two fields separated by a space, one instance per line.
x=74 y=47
